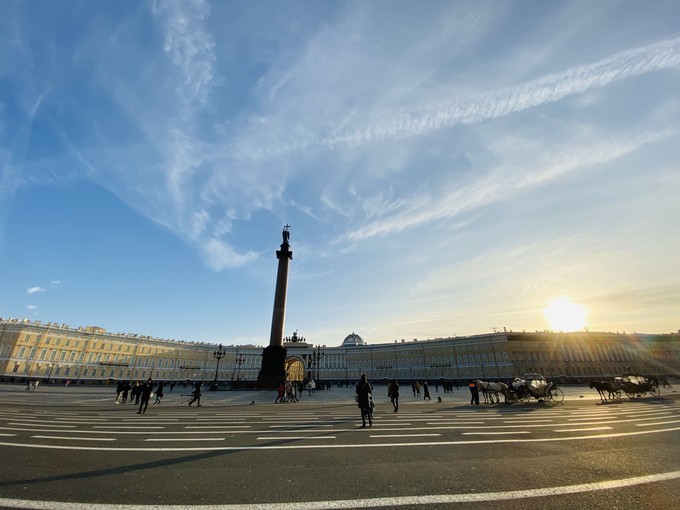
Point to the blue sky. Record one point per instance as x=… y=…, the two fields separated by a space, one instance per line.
x=447 y=168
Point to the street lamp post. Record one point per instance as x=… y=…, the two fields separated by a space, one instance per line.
x=218 y=354
x=239 y=362
x=317 y=355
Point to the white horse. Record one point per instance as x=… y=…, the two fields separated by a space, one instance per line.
x=490 y=391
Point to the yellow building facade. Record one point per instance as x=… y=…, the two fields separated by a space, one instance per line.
x=58 y=353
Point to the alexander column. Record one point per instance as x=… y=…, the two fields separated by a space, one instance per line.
x=273 y=371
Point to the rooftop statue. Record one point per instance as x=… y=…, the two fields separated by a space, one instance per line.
x=286 y=234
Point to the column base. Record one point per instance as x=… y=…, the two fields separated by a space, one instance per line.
x=273 y=371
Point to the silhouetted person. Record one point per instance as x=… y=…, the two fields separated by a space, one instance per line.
x=474 y=392
x=394 y=395
x=126 y=390
x=426 y=391
x=196 y=394
x=144 y=395
x=159 y=393
x=364 y=401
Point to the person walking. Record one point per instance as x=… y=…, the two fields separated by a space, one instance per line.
x=126 y=391
x=290 y=392
x=196 y=394
x=364 y=396
x=280 y=393
x=474 y=392
x=159 y=393
x=145 y=391
x=119 y=391
x=426 y=391
x=394 y=395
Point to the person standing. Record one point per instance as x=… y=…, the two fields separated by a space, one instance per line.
x=363 y=391
x=126 y=391
x=394 y=395
x=196 y=394
x=426 y=391
x=135 y=393
x=145 y=391
x=474 y=392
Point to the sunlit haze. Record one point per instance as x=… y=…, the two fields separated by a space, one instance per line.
x=445 y=170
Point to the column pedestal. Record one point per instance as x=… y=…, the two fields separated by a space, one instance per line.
x=273 y=371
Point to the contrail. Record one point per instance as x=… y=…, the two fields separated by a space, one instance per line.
x=490 y=105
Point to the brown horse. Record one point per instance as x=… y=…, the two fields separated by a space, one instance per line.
x=602 y=387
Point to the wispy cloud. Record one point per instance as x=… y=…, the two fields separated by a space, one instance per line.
x=34 y=290
x=502 y=183
x=421 y=118
x=218 y=255
x=189 y=45
x=434 y=116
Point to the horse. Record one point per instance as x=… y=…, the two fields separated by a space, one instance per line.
x=602 y=387
x=491 y=390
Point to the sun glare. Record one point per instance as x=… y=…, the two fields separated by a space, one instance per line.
x=564 y=315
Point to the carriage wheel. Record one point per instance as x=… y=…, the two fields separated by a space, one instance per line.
x=616 y=394
x=526 y=398
x=556 y=395
x=654 y=392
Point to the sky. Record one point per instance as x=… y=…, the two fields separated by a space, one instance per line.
x=446 y=168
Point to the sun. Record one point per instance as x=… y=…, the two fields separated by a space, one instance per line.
x=564 y=315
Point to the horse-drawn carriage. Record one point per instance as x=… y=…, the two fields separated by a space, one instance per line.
x=632 y=384
x=530 y=385
x=534 y=385
x=635 y=385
